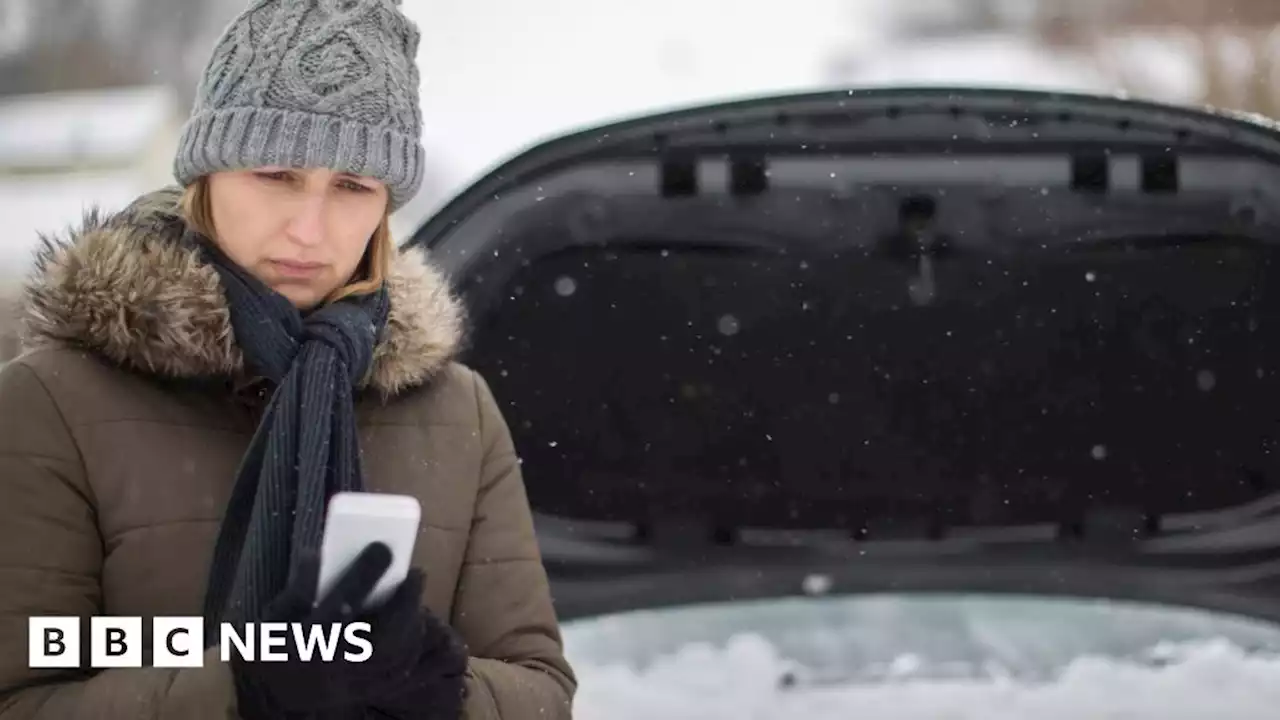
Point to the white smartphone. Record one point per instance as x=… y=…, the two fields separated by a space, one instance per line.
x=356 y=519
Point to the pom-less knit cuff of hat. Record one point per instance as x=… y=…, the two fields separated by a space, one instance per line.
x=243 y=138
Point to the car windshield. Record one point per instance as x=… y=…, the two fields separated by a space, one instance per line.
x=896 y=657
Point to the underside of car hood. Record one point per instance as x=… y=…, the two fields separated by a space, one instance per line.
x=900 y=340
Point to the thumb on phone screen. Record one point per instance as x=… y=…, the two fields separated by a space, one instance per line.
x=356 y=583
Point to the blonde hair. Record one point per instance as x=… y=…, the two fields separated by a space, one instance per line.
x=370 y=275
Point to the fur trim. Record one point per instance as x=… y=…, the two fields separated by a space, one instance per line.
x=122 y=286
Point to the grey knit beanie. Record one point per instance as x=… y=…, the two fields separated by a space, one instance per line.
x=311 y=83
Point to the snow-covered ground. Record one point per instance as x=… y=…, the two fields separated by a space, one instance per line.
x=981 y=60
x=936 y=659
x=1211 y=680
x=33 y=205
x=109 y=127
x=567 y=64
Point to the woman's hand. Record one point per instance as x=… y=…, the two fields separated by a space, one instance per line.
x=416 y=669
x=435 y=688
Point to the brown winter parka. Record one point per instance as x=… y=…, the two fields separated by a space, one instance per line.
x=121 y=428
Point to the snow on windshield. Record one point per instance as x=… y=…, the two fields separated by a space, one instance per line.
x=897 y=659
x=739 y=682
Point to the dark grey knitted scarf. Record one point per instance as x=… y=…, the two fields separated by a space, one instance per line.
x=306 y=447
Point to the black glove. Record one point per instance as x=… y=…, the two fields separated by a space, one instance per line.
x=435 y=688
x=342 y=689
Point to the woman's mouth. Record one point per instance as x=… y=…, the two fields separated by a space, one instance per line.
x=295 y=268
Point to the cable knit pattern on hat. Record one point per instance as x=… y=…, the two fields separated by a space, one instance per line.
x=311 y=83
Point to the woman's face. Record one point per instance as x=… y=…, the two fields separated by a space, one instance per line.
x=301 y=232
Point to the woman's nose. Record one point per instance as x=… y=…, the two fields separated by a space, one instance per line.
x=306 y=224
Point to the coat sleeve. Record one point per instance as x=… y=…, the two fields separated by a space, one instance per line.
x=503 y=607
x=51 y=558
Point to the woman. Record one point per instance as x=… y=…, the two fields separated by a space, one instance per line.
x=206 y=366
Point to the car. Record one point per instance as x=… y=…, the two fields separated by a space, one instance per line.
x=979 y=374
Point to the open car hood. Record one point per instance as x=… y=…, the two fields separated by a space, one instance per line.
x=889 y=341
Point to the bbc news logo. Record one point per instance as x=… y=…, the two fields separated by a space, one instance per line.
x=178 y=642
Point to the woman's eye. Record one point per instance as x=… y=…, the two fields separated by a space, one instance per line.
x=275 y=176
x=354 y=187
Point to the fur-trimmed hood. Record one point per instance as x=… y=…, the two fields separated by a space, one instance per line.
x=123 y=286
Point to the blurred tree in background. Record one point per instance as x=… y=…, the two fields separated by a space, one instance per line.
x=64 y=50
x=1228 y=50
x=83 y=44
x=1232 y=46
